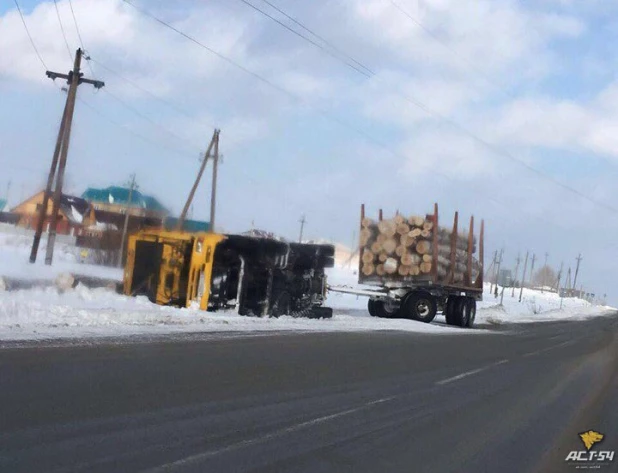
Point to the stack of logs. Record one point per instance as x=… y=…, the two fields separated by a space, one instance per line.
x=402 y=247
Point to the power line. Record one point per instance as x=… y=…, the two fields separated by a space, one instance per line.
x=81 y=41
x=493 y=148
x=490 y=146
x=321 y=38
x=143 y=116
x=62 y=29
x=300 y=35
x=29 y=36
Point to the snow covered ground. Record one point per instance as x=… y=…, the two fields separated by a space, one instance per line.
x=15 y=254
x=46 y=313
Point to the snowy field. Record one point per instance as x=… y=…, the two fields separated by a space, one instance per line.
x=46 y=313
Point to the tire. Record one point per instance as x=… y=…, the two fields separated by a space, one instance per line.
x=385 y=310
x=471 y=312
x=420 y=306
x=282 y=305
x=450 y=309
x=462 y=312
x=371 y=307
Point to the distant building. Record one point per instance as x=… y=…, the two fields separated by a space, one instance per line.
x=505 y=278
x=74 y=214
x=115 y=199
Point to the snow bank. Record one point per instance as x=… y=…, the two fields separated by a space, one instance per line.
x=15 y=255
x=82 y=312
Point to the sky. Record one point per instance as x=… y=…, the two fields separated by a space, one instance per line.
x=501 y=109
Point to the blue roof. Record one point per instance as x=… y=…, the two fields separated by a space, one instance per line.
x=188 y=226
x=2 y=204
x=120 y=195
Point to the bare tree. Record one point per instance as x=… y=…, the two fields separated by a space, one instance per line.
x=545 y=277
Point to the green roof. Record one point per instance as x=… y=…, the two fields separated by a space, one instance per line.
x=120 y=195
x=188 y=226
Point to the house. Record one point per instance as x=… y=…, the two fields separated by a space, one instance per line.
x=74 y=214
x=115 y=200
x=188 y=225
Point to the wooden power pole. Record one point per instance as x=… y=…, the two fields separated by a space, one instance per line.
x=126 y=219
x=523 y=279
x=302 y=228
x=74 y=78
x=518 y=260
x=579 y=258
x=183 y=215
x=213 y=194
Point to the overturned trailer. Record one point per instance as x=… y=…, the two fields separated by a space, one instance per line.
x=253 y=276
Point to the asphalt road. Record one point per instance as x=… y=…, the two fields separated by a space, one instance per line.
x=508 y=401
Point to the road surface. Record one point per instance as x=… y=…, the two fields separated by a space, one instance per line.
x=511 y=400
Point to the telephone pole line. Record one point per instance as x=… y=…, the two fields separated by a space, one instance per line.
x=579 y=258
x=523 y=279
x=74 y=78
x=185 y=210
x=126 y=220
x=213 y=196
x=302 y=227
x=518 y=260
x=532 y=268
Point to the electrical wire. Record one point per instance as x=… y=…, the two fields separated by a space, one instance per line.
x=81 y=41
x=317 y=45
x=62 y=29
x=29 y=35
x=490 y=146
x=321 y=38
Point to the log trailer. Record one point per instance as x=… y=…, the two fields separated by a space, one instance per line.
x=417 y=268
x=253 y=276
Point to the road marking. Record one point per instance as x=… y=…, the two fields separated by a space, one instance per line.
x=278 y=433
x=543 y=350
x=469 y=373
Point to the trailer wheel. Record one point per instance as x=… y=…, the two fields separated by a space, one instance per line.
x=450 y=310
x=420 y=306
x=371 y=308
x=386 y=309
x=471 y=304
x=462 y=312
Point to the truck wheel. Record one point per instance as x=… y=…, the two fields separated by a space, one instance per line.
x=371 y=307
x=282 y=305
x=450 y=310
x=420 y=306
x=471 y=311
x=386 y=309
x=462 y=312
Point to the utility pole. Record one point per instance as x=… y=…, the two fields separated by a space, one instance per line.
x=74 y=78
x=498 y=264
x=491 y=270
x=559 y=276
x=579 y=258
x=183 y=215
x=532 y=268
x=213 y=196
x=544 y=280
x=518 y=260
x=302 y=227
x=126 y=220
x=523 y=279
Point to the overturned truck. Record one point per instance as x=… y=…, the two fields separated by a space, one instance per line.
x=253 y=276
